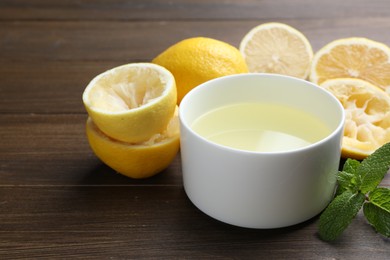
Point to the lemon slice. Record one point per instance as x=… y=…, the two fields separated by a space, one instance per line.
x=367 y=109
x=136 y=160
x=132 y=102
x=277 y=48
x=353 y=58
x=194 y=61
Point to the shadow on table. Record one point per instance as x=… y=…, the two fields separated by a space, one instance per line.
x=101 y=174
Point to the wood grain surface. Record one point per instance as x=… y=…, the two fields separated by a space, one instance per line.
x=58 y=201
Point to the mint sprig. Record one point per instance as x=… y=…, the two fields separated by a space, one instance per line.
x=357 y=188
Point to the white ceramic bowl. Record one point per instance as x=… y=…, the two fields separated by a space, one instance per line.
x=260 y=189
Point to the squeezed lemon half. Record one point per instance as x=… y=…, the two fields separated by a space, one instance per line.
x=132 y=102
x=137 y=161
x=367 y=109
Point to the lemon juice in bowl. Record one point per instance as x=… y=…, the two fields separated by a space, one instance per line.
x=261 y=127
x=284 y=173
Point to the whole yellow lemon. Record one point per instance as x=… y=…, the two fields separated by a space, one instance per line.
x=196 y=60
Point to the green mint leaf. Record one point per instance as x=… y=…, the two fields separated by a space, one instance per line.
x=351 y=165
x=339 y=214
x=347 y=178
x=378 y=218
x=377 y=210
x=344 y=180
x=381 y=198
x=374 y=168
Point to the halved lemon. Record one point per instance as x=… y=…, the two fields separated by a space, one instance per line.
x=277 y=48
x=140 y=160
x=130 y=103
x=353 y=58
x=367 y=108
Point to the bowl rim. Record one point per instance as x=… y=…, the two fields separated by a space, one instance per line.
x=185 y=124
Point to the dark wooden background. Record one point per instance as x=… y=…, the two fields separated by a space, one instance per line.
x=57 y=200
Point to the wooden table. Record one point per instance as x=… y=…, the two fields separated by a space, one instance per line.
x=57 y=200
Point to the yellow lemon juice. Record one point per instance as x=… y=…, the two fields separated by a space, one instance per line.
x=262 y=127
